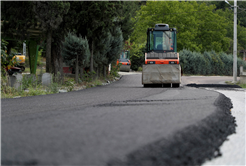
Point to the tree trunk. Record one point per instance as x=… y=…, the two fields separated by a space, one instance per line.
x=77 y=69
x=48 y=52
x=91 y=63
x=81 y=72
x=97 y=71
x=56 y=59
x=104 y=71
x=57 y=62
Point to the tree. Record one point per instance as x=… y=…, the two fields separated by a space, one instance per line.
x=6 y=59
x=222 y=5
x=191 y=20
x=98 y=17
x=126 y=11
x=109 y=45
x=75 y=52
x=17 y=17
x=117 y=43
x=241 y=31
x=137 y=55
x=50 y=14
x=70 y=21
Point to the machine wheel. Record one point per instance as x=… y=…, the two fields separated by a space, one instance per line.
x=148 y=85
x=145 y=85
x=175 y=85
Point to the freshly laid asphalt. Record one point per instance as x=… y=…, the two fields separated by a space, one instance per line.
x=233 y=150
x=117 y=124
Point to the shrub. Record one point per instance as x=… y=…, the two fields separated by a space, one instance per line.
x=114 y=70
x=88 y=76
x=140 y=69
x=137 y=56
x=208 y=63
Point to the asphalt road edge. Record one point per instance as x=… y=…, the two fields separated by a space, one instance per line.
x=192 y=146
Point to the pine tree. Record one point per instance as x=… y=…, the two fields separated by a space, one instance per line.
x=75 y=52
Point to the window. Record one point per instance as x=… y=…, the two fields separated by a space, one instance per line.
x=161 y=40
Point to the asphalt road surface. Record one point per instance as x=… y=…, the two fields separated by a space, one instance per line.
x=117 y=124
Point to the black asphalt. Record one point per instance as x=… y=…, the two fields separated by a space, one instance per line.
x=117 y=124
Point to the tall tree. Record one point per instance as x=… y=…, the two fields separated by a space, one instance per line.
x=126 y=11
x=97 y=17
x=198 y=27
x=241 y=13
x=50 y=14
x=111 y=44
x=17 y=17
x=69 y=23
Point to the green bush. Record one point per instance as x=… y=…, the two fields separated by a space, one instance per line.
x=137 y=56
x=88 y=76
x=208 y=63
x=114 y=70
x=27 y=81
x=140 y=69
x=228 y=63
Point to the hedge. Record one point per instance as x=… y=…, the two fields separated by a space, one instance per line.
x=208 y=63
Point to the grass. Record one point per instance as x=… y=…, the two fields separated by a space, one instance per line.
x=34 y=88
x=241 y=85
x=38 y=70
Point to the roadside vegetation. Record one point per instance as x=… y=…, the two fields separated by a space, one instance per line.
x=31 y=85
x=208 y=63
x=202 y=27
x=241 y=85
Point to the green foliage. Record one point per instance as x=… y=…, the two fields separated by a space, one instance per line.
x=241 y=31
x=50 y=13
x=114 y=70
x=208 y=63
x=224 y=6
x=191 y=20
x=28 y=81
x=36 y=91
x=6 y=60
x=140 y=69
x=116 y=45
x=18 y=17
x=88 y=76
x=108 y=46
x=137 y=56
x=243 y=85
x=73 y=46
x=126 y=11
x=98 y=27
x=4 y=85
x=53 y=88
x=70 y=85
x=97 y=82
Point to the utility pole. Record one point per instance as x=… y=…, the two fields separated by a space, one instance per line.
x=235 y=44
